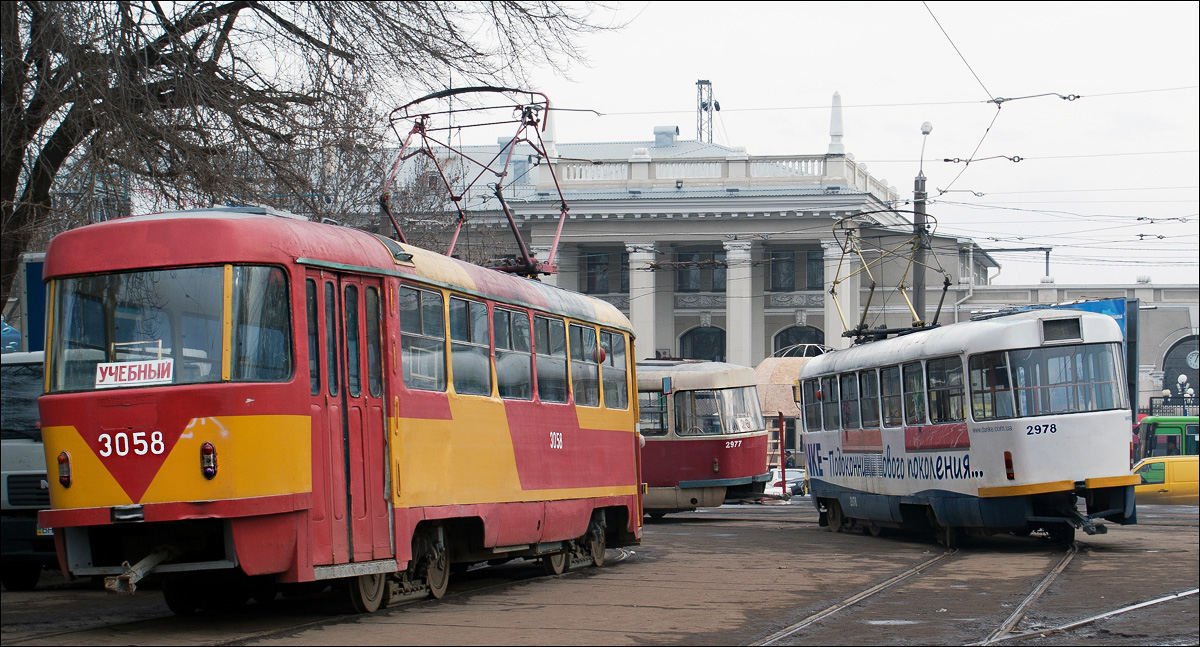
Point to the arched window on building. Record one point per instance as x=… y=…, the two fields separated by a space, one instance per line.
x=703 y=342
x=799 y=341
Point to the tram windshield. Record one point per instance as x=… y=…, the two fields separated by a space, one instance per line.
x=718 y=411
x=1038 y=381
x=169 y=327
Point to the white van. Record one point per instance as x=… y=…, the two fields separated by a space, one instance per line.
x=24 y=548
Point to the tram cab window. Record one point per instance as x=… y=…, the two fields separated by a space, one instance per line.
x=422 y=339
x=946 y=394
x=585 y=365
x=262 y=344
x=470 y=354
x=891 y=396
x=914 y=394
x=514 y=354
x=697 y=413
x=829 y=400
x=868 y=392
x=652 y=413
x=812 y=406
x=849 y=393
x=550 y=347
x=991 y=393
x=613 y=370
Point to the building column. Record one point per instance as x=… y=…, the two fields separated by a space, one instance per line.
x=743 y=322
x=845 y=311
x=643 y=288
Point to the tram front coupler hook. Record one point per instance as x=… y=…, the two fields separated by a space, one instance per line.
x=1085 y=524
x=127 y=581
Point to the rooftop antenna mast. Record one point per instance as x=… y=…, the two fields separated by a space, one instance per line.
x=705 y=106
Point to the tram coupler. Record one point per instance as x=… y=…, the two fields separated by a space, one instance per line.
x=127 y=581
x=1085 y=524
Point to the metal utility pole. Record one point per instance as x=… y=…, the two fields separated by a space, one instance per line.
x=704 y=110
x=920 y=240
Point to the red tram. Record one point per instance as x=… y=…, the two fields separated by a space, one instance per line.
x=239 y=399
x=705 y=437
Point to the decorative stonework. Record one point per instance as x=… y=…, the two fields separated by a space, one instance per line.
x=694 y=301
x=795 y=300
x=619 y=301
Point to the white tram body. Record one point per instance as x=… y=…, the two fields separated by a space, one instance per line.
x=992 y=425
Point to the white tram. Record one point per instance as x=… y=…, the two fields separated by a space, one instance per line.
x=1000 y=424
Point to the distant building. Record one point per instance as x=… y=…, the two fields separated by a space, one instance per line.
x=718 y=254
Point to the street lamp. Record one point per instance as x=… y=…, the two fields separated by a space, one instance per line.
x=920 y=244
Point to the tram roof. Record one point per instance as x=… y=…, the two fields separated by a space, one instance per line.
x=261 y=235
x=1008 y=331
x=688 y=374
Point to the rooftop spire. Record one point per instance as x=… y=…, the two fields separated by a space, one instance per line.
x=835 y=127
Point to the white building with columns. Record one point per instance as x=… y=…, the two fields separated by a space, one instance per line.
x=716 y=253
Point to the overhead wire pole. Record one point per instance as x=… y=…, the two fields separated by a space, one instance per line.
x=920 y=240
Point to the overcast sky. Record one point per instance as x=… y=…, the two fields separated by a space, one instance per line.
x=1109 y=180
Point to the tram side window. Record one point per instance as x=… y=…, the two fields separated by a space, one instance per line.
x=422 y=339
x=849 y=393
x=891 y=396
x=652 y=412
x=868 y=392
x=829 y=399
x=470 y=354
x=262 y=345
x=585 y=369
x=314 y=339
x=914 y=394
x=946 y=393
x=514 y=355
x=374 y=349
x=991 y=394
x=613 y=371
x=812 y=406
x=550 y=346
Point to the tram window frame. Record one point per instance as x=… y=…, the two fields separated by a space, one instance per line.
x=915 y=407
x=868 y=398
x=614 y=370
x=314 y=336
x=513 y=341
x=585 y=365
x=550 y=359
x=374 y=343
x=353 y=341
x=812 y=404
x=422 y=338
x=652 y=413
x=991 y=386
x=830 y=409
x=891 y=396
x=848 y=392
x=332 y=340
x=947 y=400
x=470 y=342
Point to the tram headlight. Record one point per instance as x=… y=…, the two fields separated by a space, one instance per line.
x=208 y=461
x=64 y=469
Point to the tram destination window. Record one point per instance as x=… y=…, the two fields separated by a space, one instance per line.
x=422 y=339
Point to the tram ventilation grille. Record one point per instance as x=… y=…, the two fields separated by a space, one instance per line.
x=27 y=490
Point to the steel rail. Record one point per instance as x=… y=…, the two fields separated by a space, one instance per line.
x=1019 y=613
x=1102 y=616
x=793 y=629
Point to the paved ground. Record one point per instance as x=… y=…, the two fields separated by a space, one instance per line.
x=733 y=575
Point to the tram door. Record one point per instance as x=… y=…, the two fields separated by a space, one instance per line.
x=350 y=516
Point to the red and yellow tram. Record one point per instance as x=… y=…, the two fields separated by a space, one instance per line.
x=705 y=437
x=238 y=398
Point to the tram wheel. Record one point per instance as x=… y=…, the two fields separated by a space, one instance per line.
x=837 y=519
x=555 y=563
x=437 y=574
x=183 y=595
x=597 y=544
x=367 y=592
x=1061 y=533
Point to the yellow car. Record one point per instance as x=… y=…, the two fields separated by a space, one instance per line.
x=1168 y=479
